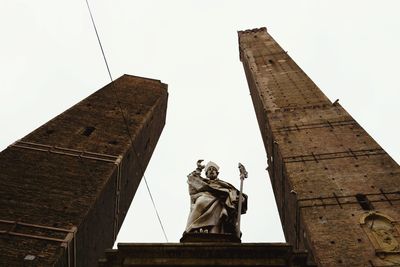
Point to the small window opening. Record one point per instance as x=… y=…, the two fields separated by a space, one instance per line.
x=50 y=131
x=88 y=131
x=364 y=202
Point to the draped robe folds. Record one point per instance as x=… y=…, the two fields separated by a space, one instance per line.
x=213 y=203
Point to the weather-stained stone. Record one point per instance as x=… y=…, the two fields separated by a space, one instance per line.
x=203 y=254
x=209 y=237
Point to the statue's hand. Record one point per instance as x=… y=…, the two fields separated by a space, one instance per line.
x=199 y=165
x=236 y=201
x=199 y=169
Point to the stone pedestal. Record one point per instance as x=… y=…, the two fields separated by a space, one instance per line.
x=209 y=237
x=204 y=254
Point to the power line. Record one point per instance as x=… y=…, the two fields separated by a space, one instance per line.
x=101 y=46
x=124 y=118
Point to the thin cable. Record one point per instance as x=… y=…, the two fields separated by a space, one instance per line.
x=154 y=205
x=125 y=120
x=98 y=39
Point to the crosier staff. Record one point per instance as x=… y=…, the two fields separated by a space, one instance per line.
x=243 y=175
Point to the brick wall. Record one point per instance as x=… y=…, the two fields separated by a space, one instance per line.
x=320 y=160
x=66 y=187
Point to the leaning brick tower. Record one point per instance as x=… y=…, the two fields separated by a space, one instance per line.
x=66 y=187
x=336 y=189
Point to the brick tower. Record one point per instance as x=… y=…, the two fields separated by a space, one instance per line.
x=66 y=187
x=336 y=189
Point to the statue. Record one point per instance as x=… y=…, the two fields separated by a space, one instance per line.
x=214 y=203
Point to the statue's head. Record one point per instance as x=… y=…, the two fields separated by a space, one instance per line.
x=211 y=170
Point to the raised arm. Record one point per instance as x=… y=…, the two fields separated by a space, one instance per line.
x=198 y=170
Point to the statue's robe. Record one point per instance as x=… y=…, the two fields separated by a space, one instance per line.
x=213 y=203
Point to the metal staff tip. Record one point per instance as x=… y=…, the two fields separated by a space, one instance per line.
x=243 y=172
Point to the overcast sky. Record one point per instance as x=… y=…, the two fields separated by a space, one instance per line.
x=50 y=59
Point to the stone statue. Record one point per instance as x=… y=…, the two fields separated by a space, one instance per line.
x=214 y=203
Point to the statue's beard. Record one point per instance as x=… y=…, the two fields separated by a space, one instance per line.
x=212 y=174
x=212 y=177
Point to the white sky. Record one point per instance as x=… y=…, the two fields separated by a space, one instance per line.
x=50 y=59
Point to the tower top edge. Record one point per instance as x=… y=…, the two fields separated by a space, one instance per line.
x=145 y=78
x=141 y=77
x=262 y=29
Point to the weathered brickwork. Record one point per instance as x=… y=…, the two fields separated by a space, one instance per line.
x=66 y=187
x=331 y=180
